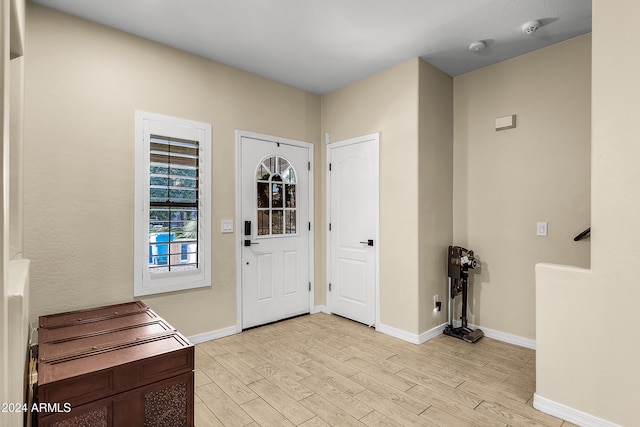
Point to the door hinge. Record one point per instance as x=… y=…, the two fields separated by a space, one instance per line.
x=329 y=226
x=309 y=166
x=329 y=167
x=309 y=226
x=329 y=287
x=309 y=286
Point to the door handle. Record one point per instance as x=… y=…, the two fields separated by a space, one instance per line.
x=248 y=242
x=368 y=242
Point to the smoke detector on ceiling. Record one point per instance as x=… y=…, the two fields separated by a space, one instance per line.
x=477 y=46
x=530 y=27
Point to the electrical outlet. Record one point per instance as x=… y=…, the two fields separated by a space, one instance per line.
x=436 y=300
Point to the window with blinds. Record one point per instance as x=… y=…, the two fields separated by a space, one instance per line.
x=173 y=204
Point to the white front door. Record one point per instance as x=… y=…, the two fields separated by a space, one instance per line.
x=274 y=228
x=353 y=236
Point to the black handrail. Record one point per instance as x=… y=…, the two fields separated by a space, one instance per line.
x=583 y=235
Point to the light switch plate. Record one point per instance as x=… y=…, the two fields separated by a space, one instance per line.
x=541 y=229
x=227 y=226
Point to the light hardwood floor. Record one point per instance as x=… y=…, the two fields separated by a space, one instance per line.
x=324 y=370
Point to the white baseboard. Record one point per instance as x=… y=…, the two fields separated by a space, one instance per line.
x=408 y=336
x=212 y=335
x=505 y=337
x=569 y=414
x=320 y=309
x=397 y=333
x=434 y=332
x=388 y=330
x=431 y=333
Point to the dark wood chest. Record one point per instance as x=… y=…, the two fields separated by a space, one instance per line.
x=119 y=365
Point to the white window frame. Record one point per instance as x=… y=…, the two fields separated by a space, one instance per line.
x=144 y=282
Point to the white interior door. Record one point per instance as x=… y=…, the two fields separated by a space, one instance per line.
x=353 y=236
x=275 y=270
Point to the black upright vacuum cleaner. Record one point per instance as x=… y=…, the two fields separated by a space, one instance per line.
x=459 y=261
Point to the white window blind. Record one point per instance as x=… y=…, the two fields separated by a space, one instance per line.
x=173 y=204
x=172 y=228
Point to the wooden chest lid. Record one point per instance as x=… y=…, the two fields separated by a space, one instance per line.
x=91 y=315
x=77 y=343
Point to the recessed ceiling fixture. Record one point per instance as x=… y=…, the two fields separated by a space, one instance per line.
x=476 y=46
x=530 y=27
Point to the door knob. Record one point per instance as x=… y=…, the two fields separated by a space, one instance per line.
x=368 y=242
x=248 y=242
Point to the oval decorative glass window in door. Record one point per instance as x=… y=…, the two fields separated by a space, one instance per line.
x=276 y=197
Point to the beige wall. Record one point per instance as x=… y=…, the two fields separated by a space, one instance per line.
x=435 y=189
x=592 y=367
x=506 y=181
x=388 y=103
x=84 y=83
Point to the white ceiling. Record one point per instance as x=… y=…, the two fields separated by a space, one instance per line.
x=322 y=45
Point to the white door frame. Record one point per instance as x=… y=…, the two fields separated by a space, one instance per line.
x=357 y=140
x=239 y=229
